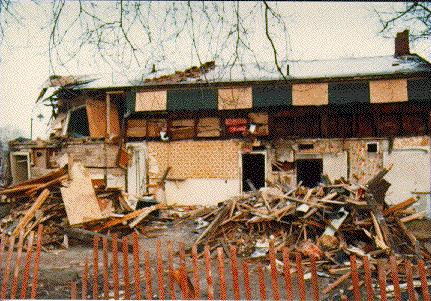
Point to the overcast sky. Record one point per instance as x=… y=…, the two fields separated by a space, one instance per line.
x=316 y=31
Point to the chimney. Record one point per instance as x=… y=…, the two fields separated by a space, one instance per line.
x=402 y=43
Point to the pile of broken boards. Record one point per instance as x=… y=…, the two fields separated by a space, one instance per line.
x=69 y=204
x=329 y=222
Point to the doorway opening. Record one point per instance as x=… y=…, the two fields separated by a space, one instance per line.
x=309 y=171
x=253 y=169
x=20 y=167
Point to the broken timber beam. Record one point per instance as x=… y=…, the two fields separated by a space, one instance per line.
x=31 y=212
x=129 y=216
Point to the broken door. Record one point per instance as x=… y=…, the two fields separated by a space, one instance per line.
x=20 y=166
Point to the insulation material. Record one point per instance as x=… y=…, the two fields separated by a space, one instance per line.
x=392 y=90
x=235 y=98
x=182 y=129
x=196 y=159
x=208 y=127
x=155 y=126
x=96 y=113
x=136 y=128
x=151 y=101
x=310 y=94
x=363 y=165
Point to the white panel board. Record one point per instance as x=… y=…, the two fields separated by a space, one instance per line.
x=335 y=165
x=410 y=172
x=136 y=170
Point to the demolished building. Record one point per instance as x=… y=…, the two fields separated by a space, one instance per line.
x=209 y=129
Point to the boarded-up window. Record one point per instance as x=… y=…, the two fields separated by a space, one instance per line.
x=310 y=94
x=393 y=90
x=155 y=126
x=150 y=101
x=208 y=127
x=182 y=129
x=96 y=112
x=236 y=126
x=136 y=128
x=234 y=98
x=261 y=122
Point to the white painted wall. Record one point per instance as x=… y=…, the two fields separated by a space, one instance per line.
x=335 y=165
x=410 y=172
x=201 y=191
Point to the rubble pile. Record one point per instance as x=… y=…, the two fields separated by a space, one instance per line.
x=329 y=222
x=67 y=201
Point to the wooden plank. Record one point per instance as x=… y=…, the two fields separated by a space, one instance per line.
x=234 y=98
x=31 y=212
x=79 y=198
x=400 y=206
x=129 y=216
x=97 y=118
x=136 y=128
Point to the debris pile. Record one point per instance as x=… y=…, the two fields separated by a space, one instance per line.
x=329 y=222
x=66 y=198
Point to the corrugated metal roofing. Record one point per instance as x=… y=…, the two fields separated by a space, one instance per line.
x=298 y=70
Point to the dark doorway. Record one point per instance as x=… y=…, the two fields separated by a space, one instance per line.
x=253 y=168
x=309 y=172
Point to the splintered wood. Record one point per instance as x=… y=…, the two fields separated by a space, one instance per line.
x=321 y=222
x=79 y=197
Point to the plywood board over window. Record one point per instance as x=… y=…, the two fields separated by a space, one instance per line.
x=155 y=126
x=208 y=127
x=235 y=98
x=136 y=128
x=151 y=101
x=261 y=122
x=310 y=94
x=392 y=90
x=96 y=113
x=182 y=129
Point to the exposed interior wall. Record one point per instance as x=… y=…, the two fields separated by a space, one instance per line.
x=201 y=191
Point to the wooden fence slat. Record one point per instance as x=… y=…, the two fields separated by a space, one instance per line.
x=246 y=273
x=73 y=291
x=160 y=280
x=126 y=275
x=395 y=278
x=410 y=286
x=26 y=274
x=96 y=267
x=105 y=268
x=262 y=287
x=36 y=262
x=355 y=278
x=424 y=281
x=208 y=273
x=196 y=276
x=234 y=268
x=300 y=277
x=115 y=266
x=314 y=278
x=7 y=267
x=368 y=279
x=222 y=283
x=287 y=276
x=3 y=242
x=274 y=273
x=17 y=265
